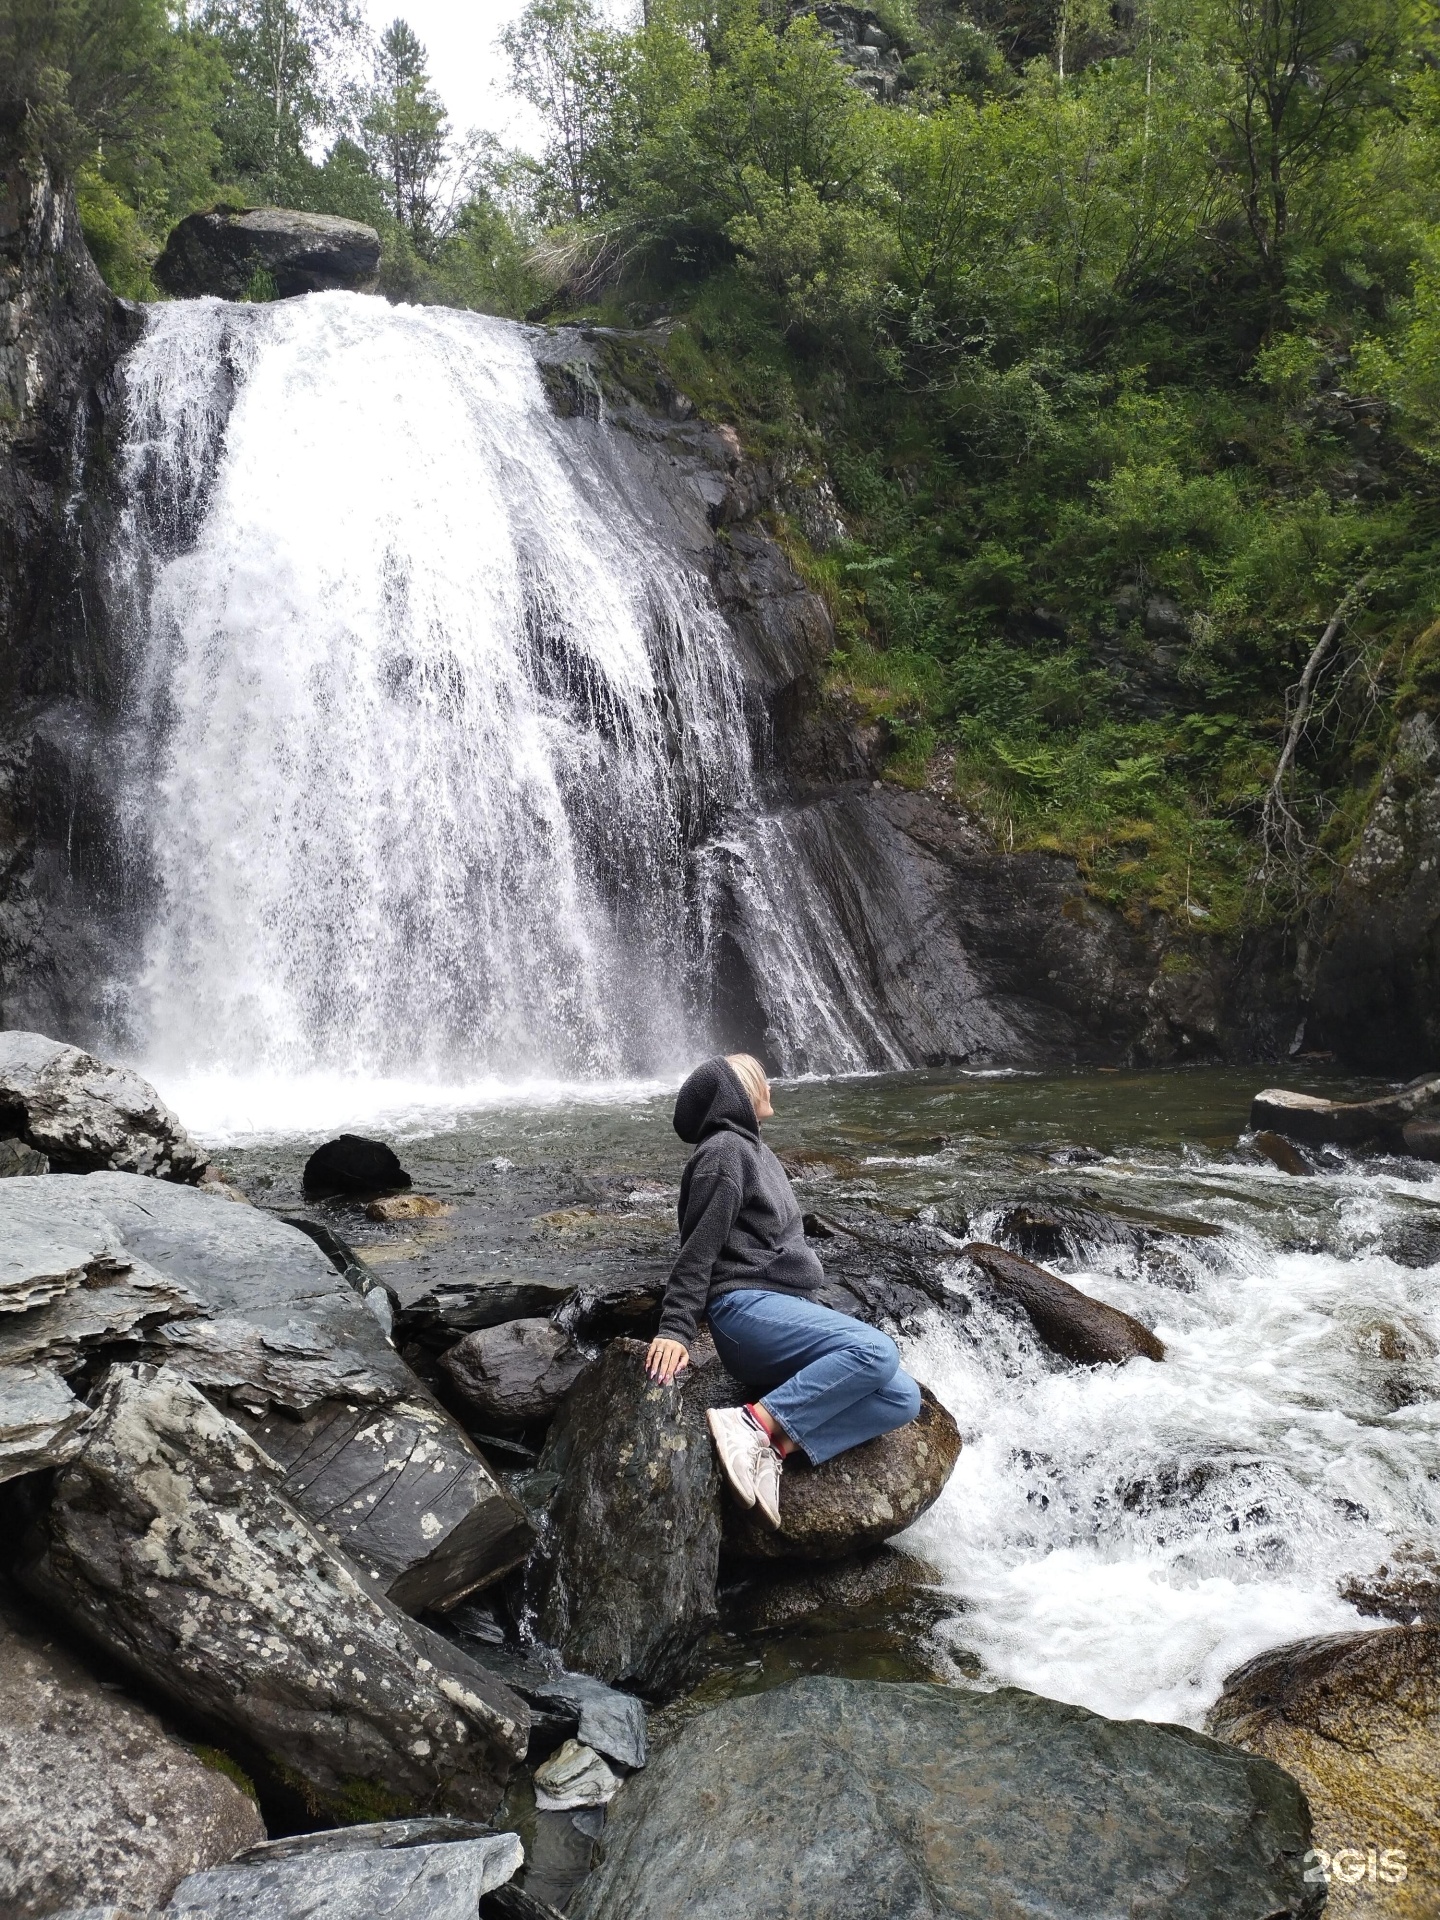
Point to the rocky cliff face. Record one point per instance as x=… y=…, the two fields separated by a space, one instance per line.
x=1376 y=995
x=61 y=333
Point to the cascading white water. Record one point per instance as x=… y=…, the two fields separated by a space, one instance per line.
x=427 y=720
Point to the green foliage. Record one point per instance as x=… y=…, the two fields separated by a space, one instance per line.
x=220 y=1762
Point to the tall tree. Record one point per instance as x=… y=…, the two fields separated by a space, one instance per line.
x=405 y=134
x=291 y=64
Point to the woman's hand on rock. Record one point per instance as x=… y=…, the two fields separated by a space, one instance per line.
x=665 y=1359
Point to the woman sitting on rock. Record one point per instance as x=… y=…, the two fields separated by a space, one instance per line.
x=829 y=1381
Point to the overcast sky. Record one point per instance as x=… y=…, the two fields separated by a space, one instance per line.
x=467 y=66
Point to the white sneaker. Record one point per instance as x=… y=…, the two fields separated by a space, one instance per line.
x=768 y=1469
x=739 y=1443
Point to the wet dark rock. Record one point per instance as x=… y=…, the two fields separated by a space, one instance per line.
x=442 y=1882
x=1355 y=1718
x=250 y=1619
x=1421 y=1139
x=514 y=1903
x=1281 y=1153
x=445 y=1309
x=85 y=1116
x=925 y=1802
x=1069 y=1322
x=1376 y=996
x=1065 y=1230
x=354 y=1165
x=1347 y=1123
x=275 y=1334
x=890 y=1583
x=98 y=1804
x=513 y=1375
x=40 y=1420
x=569 y=1704
x=433 y=1830
x=1414 y=1240
x=223 y=251
x=629 y=1571
x=1406 y=1590
x=857 y=1501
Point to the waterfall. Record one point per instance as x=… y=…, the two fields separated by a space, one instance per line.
x=432 y=739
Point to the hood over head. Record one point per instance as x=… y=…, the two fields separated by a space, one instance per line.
x=712 y=1100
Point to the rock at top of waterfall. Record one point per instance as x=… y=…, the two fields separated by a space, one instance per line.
x=88 y=1117
x=354 y=1165
x=225 y=250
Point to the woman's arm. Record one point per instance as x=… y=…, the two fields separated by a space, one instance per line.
x=712 y=1203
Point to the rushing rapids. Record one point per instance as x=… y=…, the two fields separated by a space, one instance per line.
x=437 y=752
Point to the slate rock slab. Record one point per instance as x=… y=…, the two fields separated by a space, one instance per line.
x=1355 y=1717
x=84 y=1115
x=514 y=1375
x=432 y=1831
x=40 y=1420
x=221 y=251
x=169 y=1541
x=408 y=1883
x=1069 y=1322
x=851 y=1800
x=856 y=1501
x=98 y=1804
x=280 y=1339
x=628 y=1581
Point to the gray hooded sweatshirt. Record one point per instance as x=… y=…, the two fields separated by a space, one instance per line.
x=739 y=1223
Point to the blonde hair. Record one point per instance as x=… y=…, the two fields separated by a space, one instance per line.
x=751 y=1075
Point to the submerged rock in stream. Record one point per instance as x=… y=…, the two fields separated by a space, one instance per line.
x=1355 y=1717
x=98 y=1803
x=1383 y=1122
x=846 y=1800
x=169 y=1542
x=1069 y=1322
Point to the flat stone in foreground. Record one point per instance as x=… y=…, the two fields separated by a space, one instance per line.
x=40 y=1420
x=169 y=1542
x=277 y=1337
x=409 y=1883
x=98 y=1805
x=853 y=1800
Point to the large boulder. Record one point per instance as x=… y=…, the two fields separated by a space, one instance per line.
x=845 y=1800
x=351 y=1164
x=1349 y=1123
x=226 y=250
x=1355 y=1717
x=630 y=1568
x=169 y=1542
x=255 y=1313
x=1069 y=1322
x=514 y=1375
x=439 y=1882
x=84 y=1115
x=856 y=1501
x=98 y=1804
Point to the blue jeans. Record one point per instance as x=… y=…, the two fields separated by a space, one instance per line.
x=829 y=1381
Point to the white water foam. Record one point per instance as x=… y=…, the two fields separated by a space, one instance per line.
x=1123 y=1538
x=428 y=719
